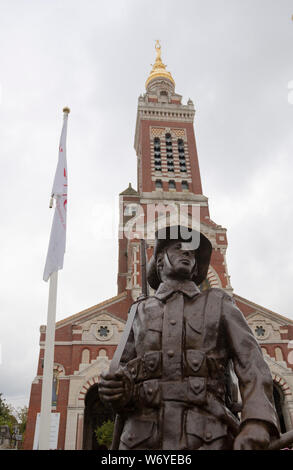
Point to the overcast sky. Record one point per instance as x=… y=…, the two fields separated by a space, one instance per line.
x=233 y=58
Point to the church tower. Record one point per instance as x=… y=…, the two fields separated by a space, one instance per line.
x=168 y=173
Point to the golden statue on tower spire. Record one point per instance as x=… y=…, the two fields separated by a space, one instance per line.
x=159 y=69
x=158 y=50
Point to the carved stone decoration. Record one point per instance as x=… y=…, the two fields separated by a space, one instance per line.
x=263 y=328
x=157 y=131
x=179 y=133
x=102 y=329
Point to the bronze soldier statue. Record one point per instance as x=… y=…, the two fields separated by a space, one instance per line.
x=173 y=389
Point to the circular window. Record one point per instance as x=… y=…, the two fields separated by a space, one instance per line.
x=260 y=331
x=104 y=330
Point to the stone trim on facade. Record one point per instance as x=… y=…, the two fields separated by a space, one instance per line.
x=282 y=384
x=86 y=387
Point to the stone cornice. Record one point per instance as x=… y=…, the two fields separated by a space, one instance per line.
x=162 y=112
x=167 y=197
x=171 y=107
x=82 y=342
x=273 y=341
x=89 y=312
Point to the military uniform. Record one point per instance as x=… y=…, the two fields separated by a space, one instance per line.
x=176 y=357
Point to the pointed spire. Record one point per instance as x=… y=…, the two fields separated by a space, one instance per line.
x=129 y=191
x=159 y=69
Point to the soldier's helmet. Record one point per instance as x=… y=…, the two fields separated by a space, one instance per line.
x=197 y=241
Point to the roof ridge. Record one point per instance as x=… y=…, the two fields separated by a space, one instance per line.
x=88 y=310
x=130 y=191
x=264 y=308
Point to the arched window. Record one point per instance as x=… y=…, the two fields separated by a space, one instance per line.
x=85 y=356
x=184 y=185
x=159 y=184
x=157 y=144
x=279 y=354
x=102 y=353
x=180 y=146
x=169 y=152
x=168 y=140
x=181 y=153
x=169 y=148
x=163 y=98
x=130 y=210
x=172 y=184
x=157 y=154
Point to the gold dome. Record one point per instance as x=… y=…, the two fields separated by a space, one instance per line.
x=159 y=69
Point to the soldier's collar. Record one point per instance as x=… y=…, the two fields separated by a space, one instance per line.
x=167 y=288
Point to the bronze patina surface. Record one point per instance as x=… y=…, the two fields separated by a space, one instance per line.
x=174 y=387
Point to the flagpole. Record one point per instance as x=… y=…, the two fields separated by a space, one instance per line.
x=54 y=262
x=46 y=401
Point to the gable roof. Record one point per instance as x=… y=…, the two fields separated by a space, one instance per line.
x=91 y=310
x=129 y=191
x=106 y=303
x=261 y=309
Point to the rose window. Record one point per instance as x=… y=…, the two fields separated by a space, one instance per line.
x=103 y=331
x=259 y=331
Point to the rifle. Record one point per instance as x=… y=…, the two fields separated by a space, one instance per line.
x=143 y=269
x=119 y=422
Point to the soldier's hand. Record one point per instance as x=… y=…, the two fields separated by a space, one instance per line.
x=254 y=435
x=115 y=388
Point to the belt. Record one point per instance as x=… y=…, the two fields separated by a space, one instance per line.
x=150 y=367
x=192 y=390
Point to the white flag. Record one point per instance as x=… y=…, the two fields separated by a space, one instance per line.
x=56 y=249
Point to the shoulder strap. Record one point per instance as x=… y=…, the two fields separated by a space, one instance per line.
x=212 y=317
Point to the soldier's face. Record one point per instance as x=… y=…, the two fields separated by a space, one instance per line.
x=181 y=259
